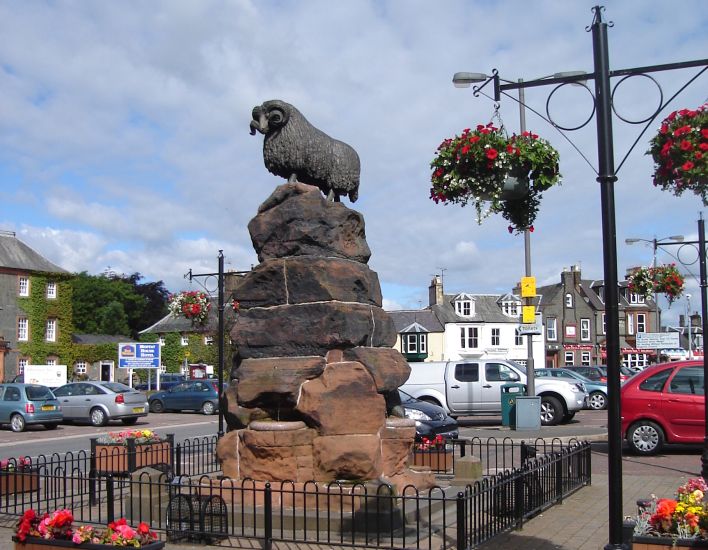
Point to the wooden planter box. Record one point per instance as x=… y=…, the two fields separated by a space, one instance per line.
x=121 y=459
x=666 y=543
x=36 y=543
x=436 y=460
x=24 y=481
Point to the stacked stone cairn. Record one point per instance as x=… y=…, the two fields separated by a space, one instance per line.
x=314 y=386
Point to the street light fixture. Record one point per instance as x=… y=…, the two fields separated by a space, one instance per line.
x=656 y=243
x=465 y=80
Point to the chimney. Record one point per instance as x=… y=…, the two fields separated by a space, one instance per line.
x=435 y=291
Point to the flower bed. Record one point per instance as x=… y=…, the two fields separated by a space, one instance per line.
x=125 y=452
x=56 y=530
x=434 y=453
x=670 y=522
x=18 y=476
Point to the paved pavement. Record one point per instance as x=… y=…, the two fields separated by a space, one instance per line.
x=581 y=521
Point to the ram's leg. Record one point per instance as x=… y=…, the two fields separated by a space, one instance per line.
x=292 y=178
x=331 y=196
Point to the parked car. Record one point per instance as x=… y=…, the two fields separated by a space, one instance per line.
x=101 y=402
x=430 y=420
x=192 y=395
x=663 y=404
x=473 y=387
x=598 y=373
x=597 y=391
x=167 y=380
x=23 y=404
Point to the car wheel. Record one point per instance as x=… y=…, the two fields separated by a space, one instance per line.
x=157 y=406
x=51 y=426
x=551 y=411
x=208 y=408
x=430 y=400
x=597 y=401
x=17 y=423
x=129 y=421
x=98 y=417
x=645 y=438
x=569 y=416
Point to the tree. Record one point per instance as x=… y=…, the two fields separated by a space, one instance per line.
x=116 y=305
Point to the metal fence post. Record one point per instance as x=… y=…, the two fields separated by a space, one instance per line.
x=461 y=525
x=519 y=507
x=268 y=519
x=559 y=474
x=109 y=498
x=92 y=473
x=130 y=442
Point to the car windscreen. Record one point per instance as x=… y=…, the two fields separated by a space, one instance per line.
x=38 y=393
x=117 y=387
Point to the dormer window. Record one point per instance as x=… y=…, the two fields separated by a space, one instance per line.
x=569 y=300
x=510 y=308
x=464 y=305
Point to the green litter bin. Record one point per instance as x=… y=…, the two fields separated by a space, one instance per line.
x=509 y=393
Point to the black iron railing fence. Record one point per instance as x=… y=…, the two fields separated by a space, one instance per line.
x=186 y=500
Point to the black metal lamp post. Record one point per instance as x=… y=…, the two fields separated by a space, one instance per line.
x=701 y=244
x=607 y=177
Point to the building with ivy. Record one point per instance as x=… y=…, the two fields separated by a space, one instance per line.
x=36 y=319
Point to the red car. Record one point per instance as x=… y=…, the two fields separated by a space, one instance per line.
x=663 y=403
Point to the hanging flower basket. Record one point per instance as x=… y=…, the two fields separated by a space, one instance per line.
x=193 y=305
x=663 y=279
x=680 y=153
x=505 y=175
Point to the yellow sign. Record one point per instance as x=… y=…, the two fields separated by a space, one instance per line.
x=528 y=315
x=528 y=287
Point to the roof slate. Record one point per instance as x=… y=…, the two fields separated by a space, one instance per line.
x=15 y=254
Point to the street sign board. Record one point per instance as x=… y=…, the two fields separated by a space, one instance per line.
x=658 y=340
x=139 y=356
x=533 y=328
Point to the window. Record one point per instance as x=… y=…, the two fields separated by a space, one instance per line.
x=498 y=372
x=467 y=372
x=569 y=358
x=571 y=331
x=635 y=360
x=22 y=329
x=496 y=336
x=518 y=338
x=208 y=340
x=51 y=332
x=469 y=337
x=688 y=380
x=52 y=362
x=51 y=290
x=635 y=298
x=423 y=343
x=585 y=358
x=463 y=307
x=656 y=381
x=569 y=300
x=23 y=286
x=585 y=329
x=604 y=324
x=630 y=324
x=551 y=332
x=510 y=309
x=411 y=343
x=161 y=340
x=184 y=340
x=641 y=322
x=21 y=364
x=80 y=367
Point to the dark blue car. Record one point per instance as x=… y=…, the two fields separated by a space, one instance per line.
x=192 y=395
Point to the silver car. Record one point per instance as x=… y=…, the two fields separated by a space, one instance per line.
x=100 y=402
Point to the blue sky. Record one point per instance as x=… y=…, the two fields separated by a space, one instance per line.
x=124 y=129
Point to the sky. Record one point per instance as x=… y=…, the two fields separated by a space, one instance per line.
x=125 y=145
